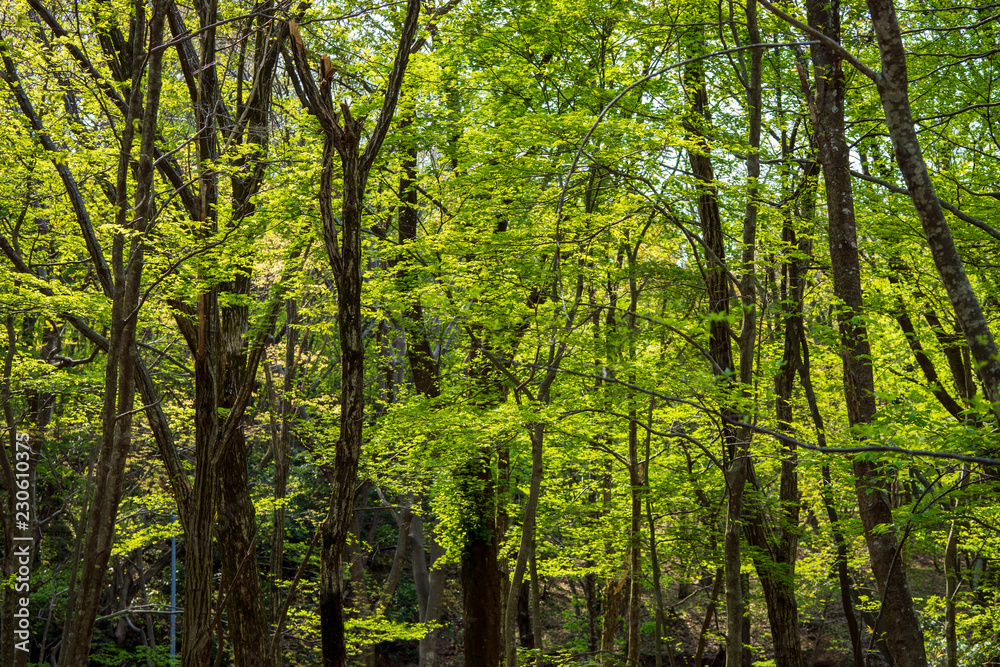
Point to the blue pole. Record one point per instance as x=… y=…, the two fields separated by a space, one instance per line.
x=173 y=598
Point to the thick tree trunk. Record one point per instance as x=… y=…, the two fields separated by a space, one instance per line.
x=482 y=621
x=196 y=639
x=898 y=616
x=249 y=627
x=237 y=535
x=199 y=533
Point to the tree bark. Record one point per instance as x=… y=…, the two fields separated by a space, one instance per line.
x=951 y=588
x=776 y=542
x=899 y=619
x=120 y=368
x=720 y=349
x=537 y=433
x=609 y=625
x=342 y=137
x=249 y=627
x=892 y=87
x=429 y=583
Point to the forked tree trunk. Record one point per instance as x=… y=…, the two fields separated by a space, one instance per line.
x=342 y=240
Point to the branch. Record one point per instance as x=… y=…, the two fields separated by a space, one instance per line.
x=431 y=24
x=234 y=420
x=279 y=624
x=167 y=168
x=76 y=198
x=829 y=43
x=393 y=86
x=975 y=222
x=983 y=460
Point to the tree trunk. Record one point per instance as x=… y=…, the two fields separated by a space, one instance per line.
x=342 y=136
x=720 y=349
x=892 y=87
x=654 y=562
x=537 y=432
x=776 y=542
x=120 y=369
x=483 y=622
x=282 y=444
x=899 y=619
x=951 y=588
x=593 y=612
x=429 y=584
x=536 y=608
x=609 y=625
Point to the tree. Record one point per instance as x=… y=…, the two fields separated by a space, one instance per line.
x=575 y=343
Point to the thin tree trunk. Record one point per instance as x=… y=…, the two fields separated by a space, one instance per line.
x=593 y=612
x=720 y=349
x=429 y=584
x=342 y=240
x=527 y=541
x=637 y=486
x=847 y=591
x=282 y=444
x=16 y=536
x=709 y=612
x=654 y=562
x=536 y=608
x=951 y=588
x=119 y=376
x=776 y=544
x=609 y=626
